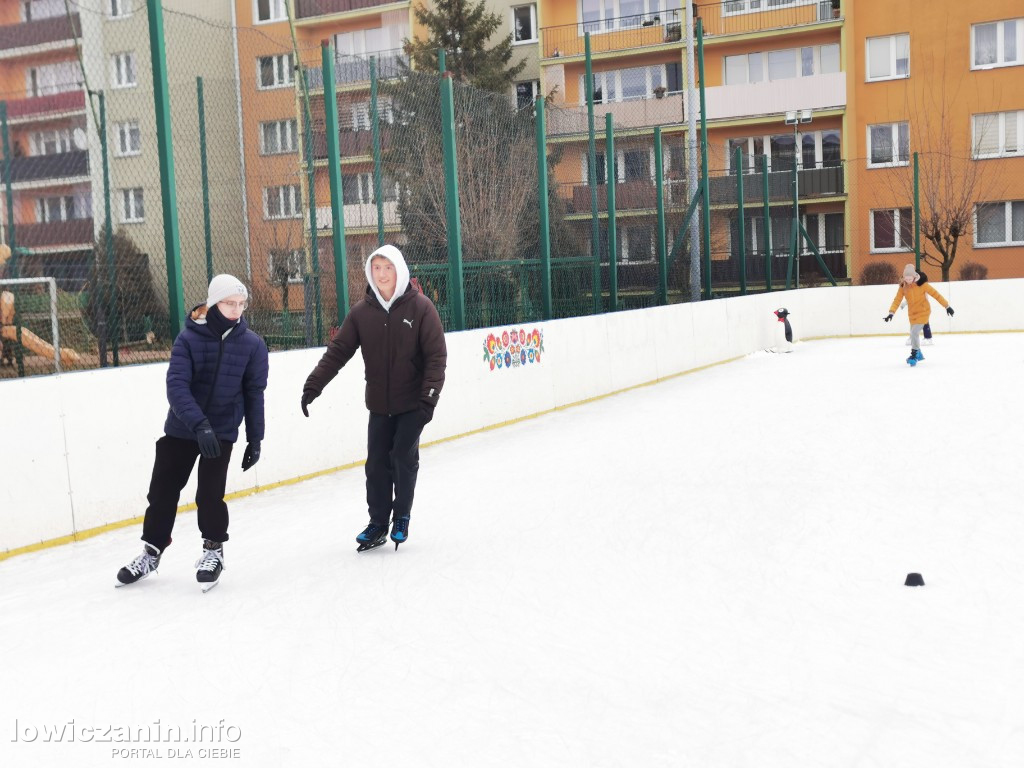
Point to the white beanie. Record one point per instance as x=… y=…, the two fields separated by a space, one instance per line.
x=223 y=286
x=910 y=271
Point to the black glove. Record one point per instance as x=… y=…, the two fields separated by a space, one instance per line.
x=209 y=445
x=308 y=396
x=949 y=311
x=426 y=411
x=252 y=454
x=888 y=317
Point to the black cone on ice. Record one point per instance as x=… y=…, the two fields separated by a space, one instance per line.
x=914 y=580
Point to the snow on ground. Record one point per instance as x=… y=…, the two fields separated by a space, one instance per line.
x=704 y=572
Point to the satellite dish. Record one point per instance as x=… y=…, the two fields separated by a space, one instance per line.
x=78 y=136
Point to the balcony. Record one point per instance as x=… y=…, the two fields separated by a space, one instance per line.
x=635 y=195
x=68 y=165
x=818 y=92
x=631 y=113
x=625 y=33
x=305 y=9
x=75 y=232
x=725 y=271
x=43 y=32
x=359 y=216
x=350 y=70
x=740 y=17
x=45 y=107
x=351 y=143
x=825 y=181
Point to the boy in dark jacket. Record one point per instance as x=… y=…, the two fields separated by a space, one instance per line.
x=402 y=341
x=216 y=378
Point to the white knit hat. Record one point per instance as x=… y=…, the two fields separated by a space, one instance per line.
x=910 y=271
x=223 y=286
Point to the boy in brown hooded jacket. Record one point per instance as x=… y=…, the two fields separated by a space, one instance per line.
x=402 y=341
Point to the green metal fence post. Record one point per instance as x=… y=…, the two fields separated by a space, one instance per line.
x=543 y=212
x=205 y=172
x=613 y=245
x=595 y=224
x=742 y=222
x=794 y=239
x=659 y=183
x=108 y=226
x=456 y=288
x=917 y=215
x=334 y=175
x=705 y=183
x=375 y=127
x=19 y=354
x=768 y=259
x=314 y=237
x=165 y=150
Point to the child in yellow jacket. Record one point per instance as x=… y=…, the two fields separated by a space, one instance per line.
x=916 y=290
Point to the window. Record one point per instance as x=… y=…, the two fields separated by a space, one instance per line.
x=287 y=265
x=119 y=9
x=892 y=229
x=275 y=71
x=128 y=140
x=608 y=15
x=526 y=93
x=357 y=189
x=50 y=209
x=122 y=70
x=781 y=65
x=281 y=202
x=364 y=42
x=270 y=10
x=825 y=231
x=997 y=44
x=818 y=149
x=34 y=10
x=524 y=23
x=278 y=137
x=999 y=223
x=888 y=145
x=55 y=142
x=888 y=57
x=132 y=210
x=633 y=83
x=53 y=78
x=998 y=134
x=636 y=244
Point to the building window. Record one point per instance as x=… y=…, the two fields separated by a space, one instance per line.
x=888 y=145
x=888 y=57
x=781 y=65
x=132 y=210
x=999 y=223
x=270 y=10
x=524 y=23
x=55 y=142
x=62 y=208
x=892 y=230
x=287 y=265
x=608 y=15
x=128 y=140
x=281 y=202
x=275 y=71
x=636 y=245
x=48 y=79
x=357 y=189
x=826 y=232
x=998 y=134
x=997 y=44
x=119 y=9
x=526 y=93
x=278 y=137
x=633 y=83
x=122 y=70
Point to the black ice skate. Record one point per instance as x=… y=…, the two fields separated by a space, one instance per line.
x=140 y=567
x=400 y=530
x=372 y=537
x=209 y=566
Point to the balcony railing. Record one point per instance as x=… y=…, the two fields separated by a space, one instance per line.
x=635 y=195
x=359 y=215
x=356 y=69
x=67 y=165
x=822 y=181
x=623 y=33
x=32 y=33
x=308 y=8
x=816 y=92
x=737 y=17
x=351 y=143
x=55 y=233
x=631 y=113
x=43 y=106
x=724 y=271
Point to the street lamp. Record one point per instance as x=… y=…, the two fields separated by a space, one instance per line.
x=795 y=118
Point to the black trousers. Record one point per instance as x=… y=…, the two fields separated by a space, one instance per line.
x=175 y=458
x=392 y=463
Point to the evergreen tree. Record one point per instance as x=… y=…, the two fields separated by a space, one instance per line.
x=463 y=30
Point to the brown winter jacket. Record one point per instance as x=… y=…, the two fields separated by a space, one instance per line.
x=404 y=352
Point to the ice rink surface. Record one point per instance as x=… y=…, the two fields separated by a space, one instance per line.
x=704 y=572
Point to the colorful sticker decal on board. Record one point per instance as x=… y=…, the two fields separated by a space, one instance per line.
x=513 y=348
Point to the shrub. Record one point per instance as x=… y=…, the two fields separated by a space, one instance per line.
x=972 y=270
x=136 y=298
x=879 y=273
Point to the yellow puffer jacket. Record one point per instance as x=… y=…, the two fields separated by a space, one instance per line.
x=918 y=306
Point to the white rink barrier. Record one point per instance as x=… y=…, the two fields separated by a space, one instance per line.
x=79 y=446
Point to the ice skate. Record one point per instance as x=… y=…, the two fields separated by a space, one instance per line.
x=400 y=530
x=209 y=566
x=140 y=567
x=372 y=537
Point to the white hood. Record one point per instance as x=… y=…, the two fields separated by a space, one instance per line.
x=393 y=255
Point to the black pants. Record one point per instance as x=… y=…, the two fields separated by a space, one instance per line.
x=175 y=458
x=392 y=463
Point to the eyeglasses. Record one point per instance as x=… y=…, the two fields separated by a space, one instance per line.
x=235 y=304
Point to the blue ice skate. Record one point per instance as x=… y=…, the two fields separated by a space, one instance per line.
x=915 y=357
